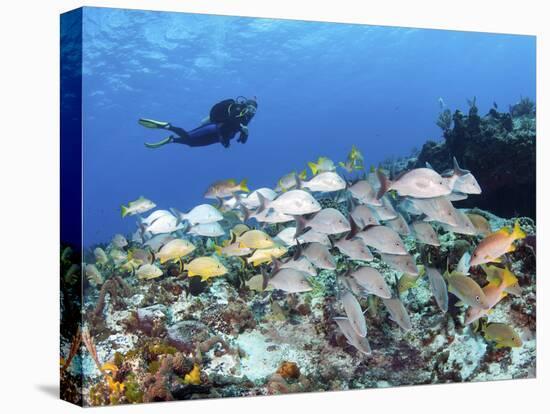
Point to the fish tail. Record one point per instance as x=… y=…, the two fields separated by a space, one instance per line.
x=298 y=181
x=265 y=278
x=218 y=249
x=518 y=233
x=303 y=174
x=179 y=215
x=243 y=186
x=354 y=229
x=385 y=184
x=301 y=226
x=314 y=168
x=124 y=210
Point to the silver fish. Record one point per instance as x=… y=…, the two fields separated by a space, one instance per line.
x=425 y=233
x=418 y=183
x=364 y=192
x=141 y=205
x=371 y=281
x=399 y=225
x=253 y=200
x=156 y=242
x=464 y=225
x=311 y=236
x=148 y=271
x=438 y=209
x=364 y=216
x=326 y=221
x=398 y=313
x=358 y=342
x=385 y=211
x=383 y=239
x=457 y=197
x=319 y=255
x=201 y=214
x=163 y=224
x=467 y=290
x=289 y=280
x=294 y=202
x=401 y=262
x=302 y=264
x=439 y=288
x=207 y=230
x=355 y=314
x=153 y=216
x=325 y=182
x=355 y=249
x=119 y=241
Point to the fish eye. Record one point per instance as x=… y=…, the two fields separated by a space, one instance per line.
x=477 y=298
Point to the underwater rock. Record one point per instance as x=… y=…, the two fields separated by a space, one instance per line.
x=499 y=149
x=186 y=335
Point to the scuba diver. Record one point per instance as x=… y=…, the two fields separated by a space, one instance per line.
x=226 y=119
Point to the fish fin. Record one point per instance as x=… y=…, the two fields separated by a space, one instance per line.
x=217 y=249
x=428 y=165
x=385 y=184
x=518 y=233
x=265 y=278
x=354 y=229
x=233 y=237
x=245 y=211
x=276 y=265
x=298 y=252
x=459 y=304
x=243 y=187
x=299 y=185
x=496 y=260
x=220 y=203
x=124 y=210
x=263 y=203
x=314 y=168
x=301 y=226
x=457 y=170
x=511 y=249
x=242 y=262
x=179 y=215
x=475 y=326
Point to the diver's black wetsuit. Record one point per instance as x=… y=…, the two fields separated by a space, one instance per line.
x=226 y=118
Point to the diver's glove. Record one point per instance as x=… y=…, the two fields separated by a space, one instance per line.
x=243 y=136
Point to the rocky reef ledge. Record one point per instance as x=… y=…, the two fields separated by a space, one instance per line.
x=499 y=148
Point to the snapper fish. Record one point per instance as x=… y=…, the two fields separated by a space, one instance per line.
x=398 y=313
x=100 y=256
x=407 y=281
x=503 y=334
x=119 y=241
x=138 y=257
x=206 y=267
x=438 y=209
x=293 y=202
x=93 y=274
x=501 y=282
x=226 y=188
x=464 y=225
x=326 y=221
x=364 y=192
x=232 y=250
x=467 y=290
x=174 y=250
x=290 y=181
x=383 y=239
x=353 y=311
x=163 y=224
x=385 y=211
x=318 y=254
x=207 y=230
x=399 y=225
x=141 y=205
x=148 y=271
x=302 y=264
x=266 y=255
x=253 y=200
x=153 y=216
x=358 y=342
x=462 y=181
x=156 y=242
x=323 y=164
x=425 y=233
x=480 y=223
x=201 y=214
x=401 y=262
x=288 y=280
x=439 y=288
x=417 y=183
x=496 y=244
x=354 y=249
x=364 y=216
x=324 y=182
x=371 y=281
x=254 y=239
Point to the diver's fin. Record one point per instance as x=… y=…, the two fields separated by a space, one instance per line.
x=160 y=143
x=151 y=123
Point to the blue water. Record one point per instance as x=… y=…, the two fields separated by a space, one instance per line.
x=321 y=88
